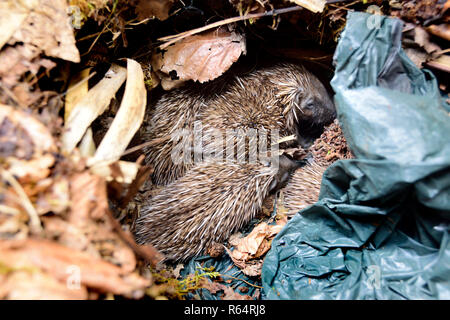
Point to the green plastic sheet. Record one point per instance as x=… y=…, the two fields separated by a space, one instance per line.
x=380 y=229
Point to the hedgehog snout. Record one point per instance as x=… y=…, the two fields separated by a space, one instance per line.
x=285 y=169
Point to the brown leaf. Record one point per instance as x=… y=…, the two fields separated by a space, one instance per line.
x=153 y=8
x=41 y=138
x=88 y=194
x=440 y=30
x=256 y=243
x=49 y=30
x=200 y=57
x=422 y=38
x=37 y=285
x=212 y=286
x=31 y=171
x=14 y=141
x=55 y=199
x=230 y=294
x=249 y=250
x=57 y=261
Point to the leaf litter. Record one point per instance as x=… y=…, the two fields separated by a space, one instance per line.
x=67 y=188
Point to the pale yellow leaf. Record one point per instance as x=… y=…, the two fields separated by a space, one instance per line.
x=312 y=5
x=127 y=120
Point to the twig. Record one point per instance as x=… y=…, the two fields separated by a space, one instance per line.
x=150 y=143
x=177 y=37
x=250 y=284
x=147 y=252
x=35 y=222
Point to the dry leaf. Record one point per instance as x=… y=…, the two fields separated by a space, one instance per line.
x=37 y=285
x=440 y=30
x=257 y=242
x=78 y=88
x=41 y=138
x=127 y=171
x=59 y=261
x=26 y=145
x=55 y=199
x=127 y=120
x=177 y=270
x=88 y=194
x=33 y=170
x=13 y=13
x=441 y=63
x=230 y=294
x=153 y=8
x=312 y=5
x=249 y=250
x=422 y=38
x=49 y=30
x=200 y=57
x=91 y=106
x=211 y=286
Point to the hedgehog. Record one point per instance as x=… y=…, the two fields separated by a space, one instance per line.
x=208 y=204
x=285 y=97
x=205 y=198
x=303 y=188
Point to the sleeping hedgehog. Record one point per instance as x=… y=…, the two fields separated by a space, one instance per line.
x=208 y=194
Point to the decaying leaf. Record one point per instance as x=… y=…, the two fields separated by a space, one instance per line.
x=78 y=88
x=32 y=31
x=153 y=8
x=14 y=63
x=312 y=5
x=13 y=13
x=257 y=243
x=440 y=30
x=128 y=119
x=91 y=106
x=200 y=57
x=48 y=29
x=422 y=38
x=441 y=63
x=230 y=294
x=63 y=263
x=249 y=250
x=38 y=285
x=41 y=139
x=88 y=192
x=126 y=172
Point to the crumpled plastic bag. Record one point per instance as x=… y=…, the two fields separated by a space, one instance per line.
x=380 y=229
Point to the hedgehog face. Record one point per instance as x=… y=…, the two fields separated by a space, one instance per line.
x=306 y=103
x=314 y=104
x=313 y=109
x=285 y=169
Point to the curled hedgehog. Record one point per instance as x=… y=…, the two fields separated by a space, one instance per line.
x=206 y=198
x=284 y=97
x=303 y=188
